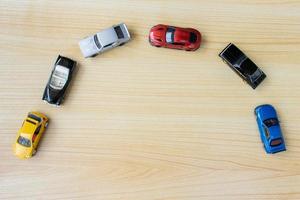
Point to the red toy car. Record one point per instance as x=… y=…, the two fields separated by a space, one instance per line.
x=188 y=39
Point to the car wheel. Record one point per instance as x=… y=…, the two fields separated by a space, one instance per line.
x=157 y=46
x=59 y=102
x=94 y=55
x=122 y=44
x=34 y=152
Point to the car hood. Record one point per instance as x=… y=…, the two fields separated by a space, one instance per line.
x=158 y=33
x=88 y=47
x=22 y=152
x=266 y=112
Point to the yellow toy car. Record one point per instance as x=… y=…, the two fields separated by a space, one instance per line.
x=29 y=135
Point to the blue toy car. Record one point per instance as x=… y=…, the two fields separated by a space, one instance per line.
x=269 y=128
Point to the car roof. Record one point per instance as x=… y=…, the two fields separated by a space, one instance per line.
x=107 y=36
x=182 y=35
x=28 y=127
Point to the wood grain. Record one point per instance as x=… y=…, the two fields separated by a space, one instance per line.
x=145 y=123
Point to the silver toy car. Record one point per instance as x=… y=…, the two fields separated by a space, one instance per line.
x=109 y=38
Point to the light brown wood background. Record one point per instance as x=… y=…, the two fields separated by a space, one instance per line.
x=145 y=123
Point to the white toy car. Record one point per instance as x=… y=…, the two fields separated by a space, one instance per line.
x=109 y=38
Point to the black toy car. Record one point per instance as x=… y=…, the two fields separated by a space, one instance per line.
x=242 y=65
x=59 y=80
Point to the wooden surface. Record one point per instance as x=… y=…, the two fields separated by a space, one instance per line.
x=145 y=123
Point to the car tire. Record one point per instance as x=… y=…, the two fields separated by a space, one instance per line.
x=157 y=46
x=122 y=44
x=60 y=102
x=33 y=152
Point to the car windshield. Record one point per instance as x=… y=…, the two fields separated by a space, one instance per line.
x=256 y=75
x=59 y=77
x=170 y=35
x=96 y=40
x=276 y=142
x=193 y=37
x=24 y=141
x=34 y=117
x=119 y=32
x=271 y=122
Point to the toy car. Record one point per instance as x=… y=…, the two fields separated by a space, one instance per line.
x=269 y=128
x=188 y=39
x=104 y=40
x=29 y=135
x=242 y=65
x=59 y=80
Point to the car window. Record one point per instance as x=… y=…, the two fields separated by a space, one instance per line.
x=193 y=37
x=170 y=35
x=59 y=77
x=96 y=40
x=32 y=122
x=37 y=130
x=32 y=116
x=107 y=45
x=276 y=142
x=24 y=141
x=256 y=75
x=267 y=133
x=271 y=122
x=119 y=32
x=177 y=43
